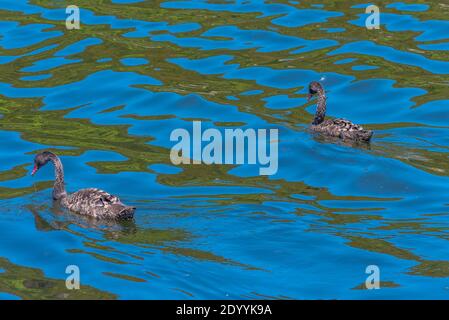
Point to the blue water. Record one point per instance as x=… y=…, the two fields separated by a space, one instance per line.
x=106 y=98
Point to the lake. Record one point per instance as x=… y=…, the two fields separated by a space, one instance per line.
x=106 y=97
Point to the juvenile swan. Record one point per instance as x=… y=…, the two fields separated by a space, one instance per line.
x=90 y=202
x=340 y=128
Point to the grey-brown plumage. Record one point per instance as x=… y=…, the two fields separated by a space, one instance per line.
x=90 y=202
x=340 y=128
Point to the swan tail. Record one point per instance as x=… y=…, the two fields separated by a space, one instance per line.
x=365 y=135
x=121 y=212
x=127 y=212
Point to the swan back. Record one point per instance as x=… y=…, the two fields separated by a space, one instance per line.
x=99 y=204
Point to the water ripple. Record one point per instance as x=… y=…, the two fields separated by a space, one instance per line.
x=106 y=98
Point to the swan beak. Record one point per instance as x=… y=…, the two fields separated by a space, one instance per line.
x=34 y=170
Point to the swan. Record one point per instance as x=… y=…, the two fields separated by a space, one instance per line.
x=340 y=128
x=89 y=202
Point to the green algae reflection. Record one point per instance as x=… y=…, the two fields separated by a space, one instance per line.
x=30 y=283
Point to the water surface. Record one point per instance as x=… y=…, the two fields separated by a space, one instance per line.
x=107 y=96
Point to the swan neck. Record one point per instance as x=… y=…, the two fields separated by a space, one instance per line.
x=321 y=108
x=59 y=186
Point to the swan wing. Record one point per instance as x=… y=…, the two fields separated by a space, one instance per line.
x=346 y=125
x=94 y=202
x=95 y=197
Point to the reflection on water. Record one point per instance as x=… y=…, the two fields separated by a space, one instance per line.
x=106 y=98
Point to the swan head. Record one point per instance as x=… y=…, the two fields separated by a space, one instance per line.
x=314 y=88
x=41 y=160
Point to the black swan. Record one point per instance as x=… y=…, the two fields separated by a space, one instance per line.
x=90 y=202
x=340 y=128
